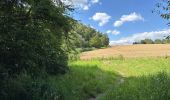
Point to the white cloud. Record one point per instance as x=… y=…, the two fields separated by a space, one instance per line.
x=115 y=32
x=94 y=1
x=83 y=4
x=140 y=36
x=108 y=31
x=128 y=18
x=86 y=7
x=92 y=26
x=102 y=18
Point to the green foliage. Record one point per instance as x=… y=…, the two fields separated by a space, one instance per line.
x=162 y=8
x=87 y=37
x=146 y=41
x=95 y=42
x=24 y=87
x=107 y=79
x=104 y=40
x=33 y=40
x=36 y=38
x=85 y=80
x=152 y=87
x=31 y=36
x=157 y=41
x=166 y=41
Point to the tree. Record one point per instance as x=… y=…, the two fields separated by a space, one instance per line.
x=166 y=41
x=162 y=8
x=168 y=37
x=158 y=41
x=31 y=36
x=136 y=43
x=147 y=41
x=95 y=42
x=104 y=40
x=85 y=34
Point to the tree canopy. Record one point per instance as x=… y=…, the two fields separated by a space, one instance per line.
x=33 y=36
x=163 y=9
x=87 y=37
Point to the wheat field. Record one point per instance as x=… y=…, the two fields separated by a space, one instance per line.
x=130 y=51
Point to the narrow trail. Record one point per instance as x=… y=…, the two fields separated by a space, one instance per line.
x=120 y=80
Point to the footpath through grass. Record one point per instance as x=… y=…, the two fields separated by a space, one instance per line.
x=116 y=79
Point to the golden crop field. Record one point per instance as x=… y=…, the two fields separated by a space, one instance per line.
x=130 y=51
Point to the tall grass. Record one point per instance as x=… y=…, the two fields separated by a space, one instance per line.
x=151 y=87
x=85 y=80
x=116 y=79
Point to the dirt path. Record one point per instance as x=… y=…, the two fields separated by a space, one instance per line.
x=119 y=80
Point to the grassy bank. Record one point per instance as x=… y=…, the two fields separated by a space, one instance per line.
x=116 y=79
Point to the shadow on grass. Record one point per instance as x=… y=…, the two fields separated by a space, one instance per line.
x=152 y=87
x=85 y=81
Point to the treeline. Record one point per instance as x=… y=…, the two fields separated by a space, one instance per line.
x=87 y=37
x=156 y=41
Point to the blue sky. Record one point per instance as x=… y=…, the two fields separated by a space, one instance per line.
x=125 y=21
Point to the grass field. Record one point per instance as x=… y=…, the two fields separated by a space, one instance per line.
x=136 y=72
x=130 y=51
x=116 y=79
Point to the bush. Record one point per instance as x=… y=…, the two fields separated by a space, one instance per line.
x=25 y=88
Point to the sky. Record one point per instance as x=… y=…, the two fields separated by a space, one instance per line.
x=125 y=21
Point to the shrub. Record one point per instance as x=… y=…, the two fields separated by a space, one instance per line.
x=25 y=88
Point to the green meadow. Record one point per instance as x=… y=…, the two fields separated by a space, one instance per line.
x=116 y=79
